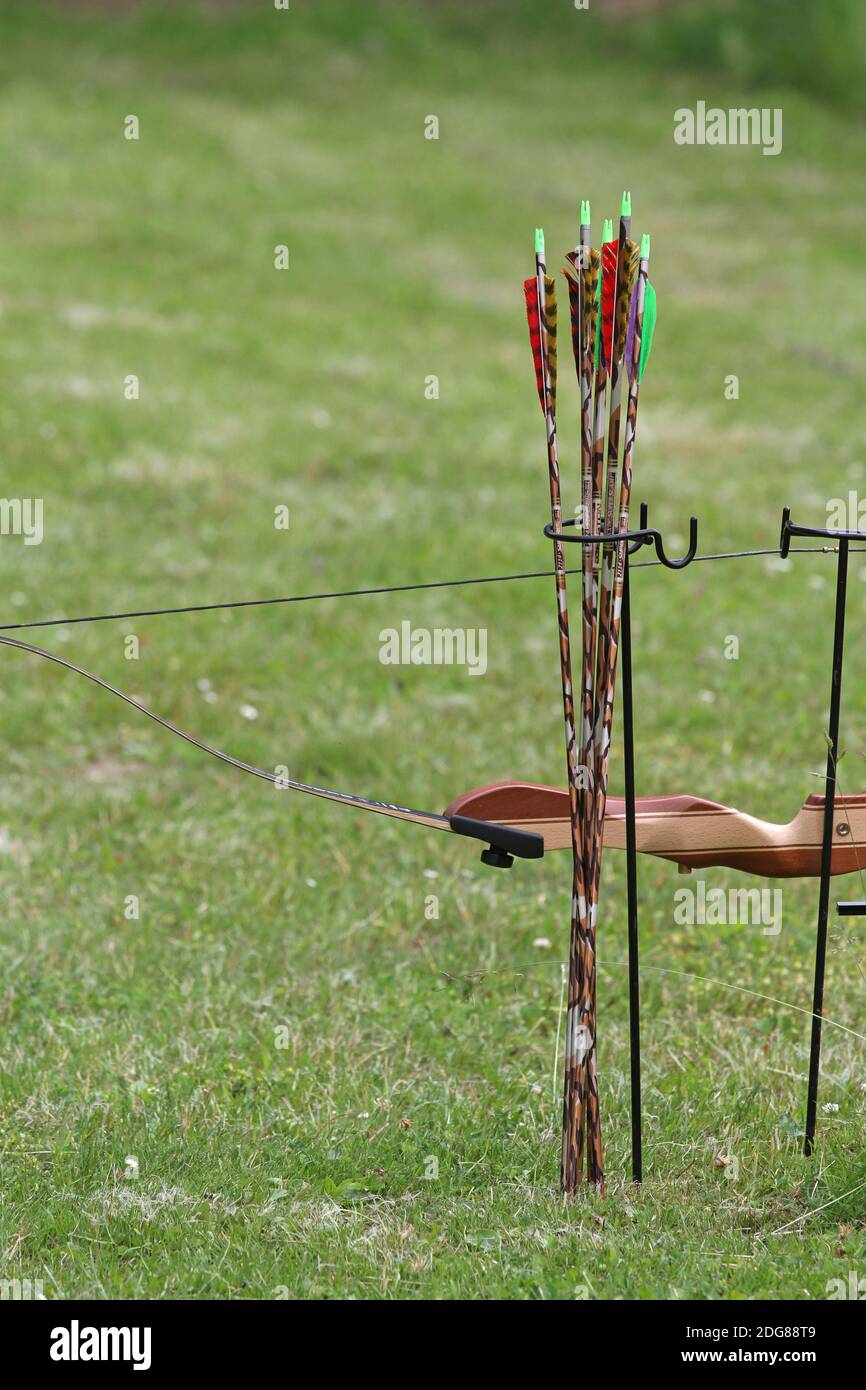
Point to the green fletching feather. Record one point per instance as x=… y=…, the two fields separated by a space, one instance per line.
x=649 y=328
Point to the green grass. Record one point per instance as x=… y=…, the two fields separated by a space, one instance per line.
x=414 y=1045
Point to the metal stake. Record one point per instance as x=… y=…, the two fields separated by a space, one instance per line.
x=826 y=847
x=631 y=873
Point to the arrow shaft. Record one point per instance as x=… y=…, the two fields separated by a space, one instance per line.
x=574 y=1084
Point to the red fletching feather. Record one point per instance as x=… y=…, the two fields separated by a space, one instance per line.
x=530 y=290
x=609 y=259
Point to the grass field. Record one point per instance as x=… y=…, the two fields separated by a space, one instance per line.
x=326 y=1090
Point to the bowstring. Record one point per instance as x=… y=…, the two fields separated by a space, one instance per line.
x=143 y=709
x=243 y=766
x=278 y=779
x=392 y=589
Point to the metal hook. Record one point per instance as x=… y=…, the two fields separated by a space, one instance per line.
x=645 y=535
x=653 y=537
x=643 y=525
x=790 y=528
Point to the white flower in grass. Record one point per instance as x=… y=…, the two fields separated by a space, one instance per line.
x=203 y=684
x=541 y=943
x=830 y=1108
x=249 y=712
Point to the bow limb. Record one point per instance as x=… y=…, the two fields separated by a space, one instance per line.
x=504 y=841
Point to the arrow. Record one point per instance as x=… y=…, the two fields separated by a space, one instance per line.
x=540 y=296
x=584 y=265
x=604 y=703
x=627 y=266
x=606 y=707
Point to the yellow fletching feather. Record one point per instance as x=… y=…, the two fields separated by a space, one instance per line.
x=590 y=302
x=629 y=260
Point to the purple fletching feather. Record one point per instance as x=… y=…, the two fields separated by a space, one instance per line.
x=629 y=337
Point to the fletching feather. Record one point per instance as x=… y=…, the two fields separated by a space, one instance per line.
x=628 y=264
x=530 y=292
x=550 y=309
x=609 y=257
x=649 y=328
x=573 y=278
x=590 y=301
x=649 y=324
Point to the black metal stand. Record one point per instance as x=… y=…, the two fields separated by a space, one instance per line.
x=841 y=538
x=631 y=878
x=645 y=535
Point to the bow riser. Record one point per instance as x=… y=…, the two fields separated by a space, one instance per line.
x=687 y=830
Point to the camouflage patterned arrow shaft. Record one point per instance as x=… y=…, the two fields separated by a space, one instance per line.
x=593 y=420
x=541 y=312
x=591 y=328
x=627 y=260
x=590 y=266
x=577 y=1080
x=608 y=261
x=596 y=1164
x=582 y=277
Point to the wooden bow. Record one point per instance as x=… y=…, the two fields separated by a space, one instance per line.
x=688 y=830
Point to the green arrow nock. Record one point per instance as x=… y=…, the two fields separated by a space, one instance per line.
x=645 y=247
x=585 y=218
x=625 y=208
x=539 y=241
x=607 y=231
